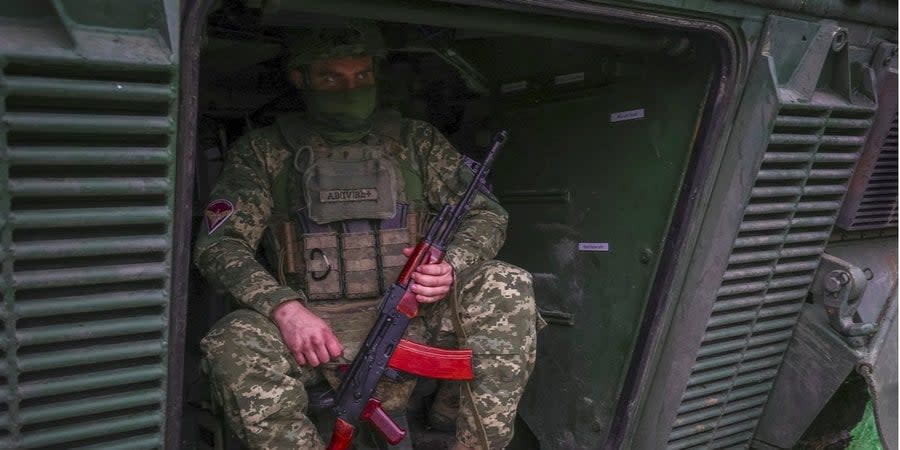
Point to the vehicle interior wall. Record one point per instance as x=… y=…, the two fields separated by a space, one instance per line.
x=590 y=196
x=601 y=136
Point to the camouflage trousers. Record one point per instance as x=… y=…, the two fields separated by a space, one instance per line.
x=262 y=388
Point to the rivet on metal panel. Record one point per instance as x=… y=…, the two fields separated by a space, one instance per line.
x=840 y=40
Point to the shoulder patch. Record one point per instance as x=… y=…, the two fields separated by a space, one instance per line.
x=217 y=212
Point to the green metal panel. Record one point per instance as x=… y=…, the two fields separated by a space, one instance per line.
x=590 y=196
x=87 y=141
x=804 y=119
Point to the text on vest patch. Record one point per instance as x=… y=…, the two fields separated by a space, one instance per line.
x=348 y=195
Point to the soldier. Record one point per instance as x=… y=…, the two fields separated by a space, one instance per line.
x=336 y=196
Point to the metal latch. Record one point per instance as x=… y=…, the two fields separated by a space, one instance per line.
x=838 y=286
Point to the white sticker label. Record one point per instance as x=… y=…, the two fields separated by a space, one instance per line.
x=593 y=246
x=569 y=78
x=512 y=87
x=627 y=115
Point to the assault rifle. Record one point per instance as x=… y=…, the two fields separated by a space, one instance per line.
x=385 y=351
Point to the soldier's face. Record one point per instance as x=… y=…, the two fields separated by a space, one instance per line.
x=337 y=74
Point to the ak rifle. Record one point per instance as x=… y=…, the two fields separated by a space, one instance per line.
x=384 y=351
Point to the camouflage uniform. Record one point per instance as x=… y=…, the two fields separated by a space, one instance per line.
x=254 y=376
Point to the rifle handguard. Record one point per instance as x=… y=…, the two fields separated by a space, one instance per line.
x=424 y=253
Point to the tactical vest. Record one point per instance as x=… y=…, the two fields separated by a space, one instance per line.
x=343 y=214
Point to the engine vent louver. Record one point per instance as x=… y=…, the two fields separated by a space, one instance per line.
x=86 y=254
x=786 y=224
x=872 y=202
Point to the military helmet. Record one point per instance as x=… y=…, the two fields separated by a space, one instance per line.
x=334 y=42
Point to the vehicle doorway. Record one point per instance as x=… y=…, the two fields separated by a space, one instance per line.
x=607 y=124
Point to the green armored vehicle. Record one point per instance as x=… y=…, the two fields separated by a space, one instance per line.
x=705 y=194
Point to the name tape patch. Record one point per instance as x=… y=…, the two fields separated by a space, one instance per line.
x=348 y=195
x=217 y=212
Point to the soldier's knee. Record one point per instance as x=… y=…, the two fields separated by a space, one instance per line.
x=504 y=274
x=499 y=293
x=238 y=336
x=504 y=269
x=512 y=284
x=248 y=370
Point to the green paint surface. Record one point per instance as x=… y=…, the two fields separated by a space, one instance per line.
x=865 y=433
x=581 y=174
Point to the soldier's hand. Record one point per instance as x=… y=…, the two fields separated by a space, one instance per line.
x=308 y=337
x=431 y=282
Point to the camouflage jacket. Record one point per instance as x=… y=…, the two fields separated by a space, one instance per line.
x=242 y=207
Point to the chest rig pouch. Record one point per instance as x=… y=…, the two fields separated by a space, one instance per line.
x=356 y=213
x=355 y=258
